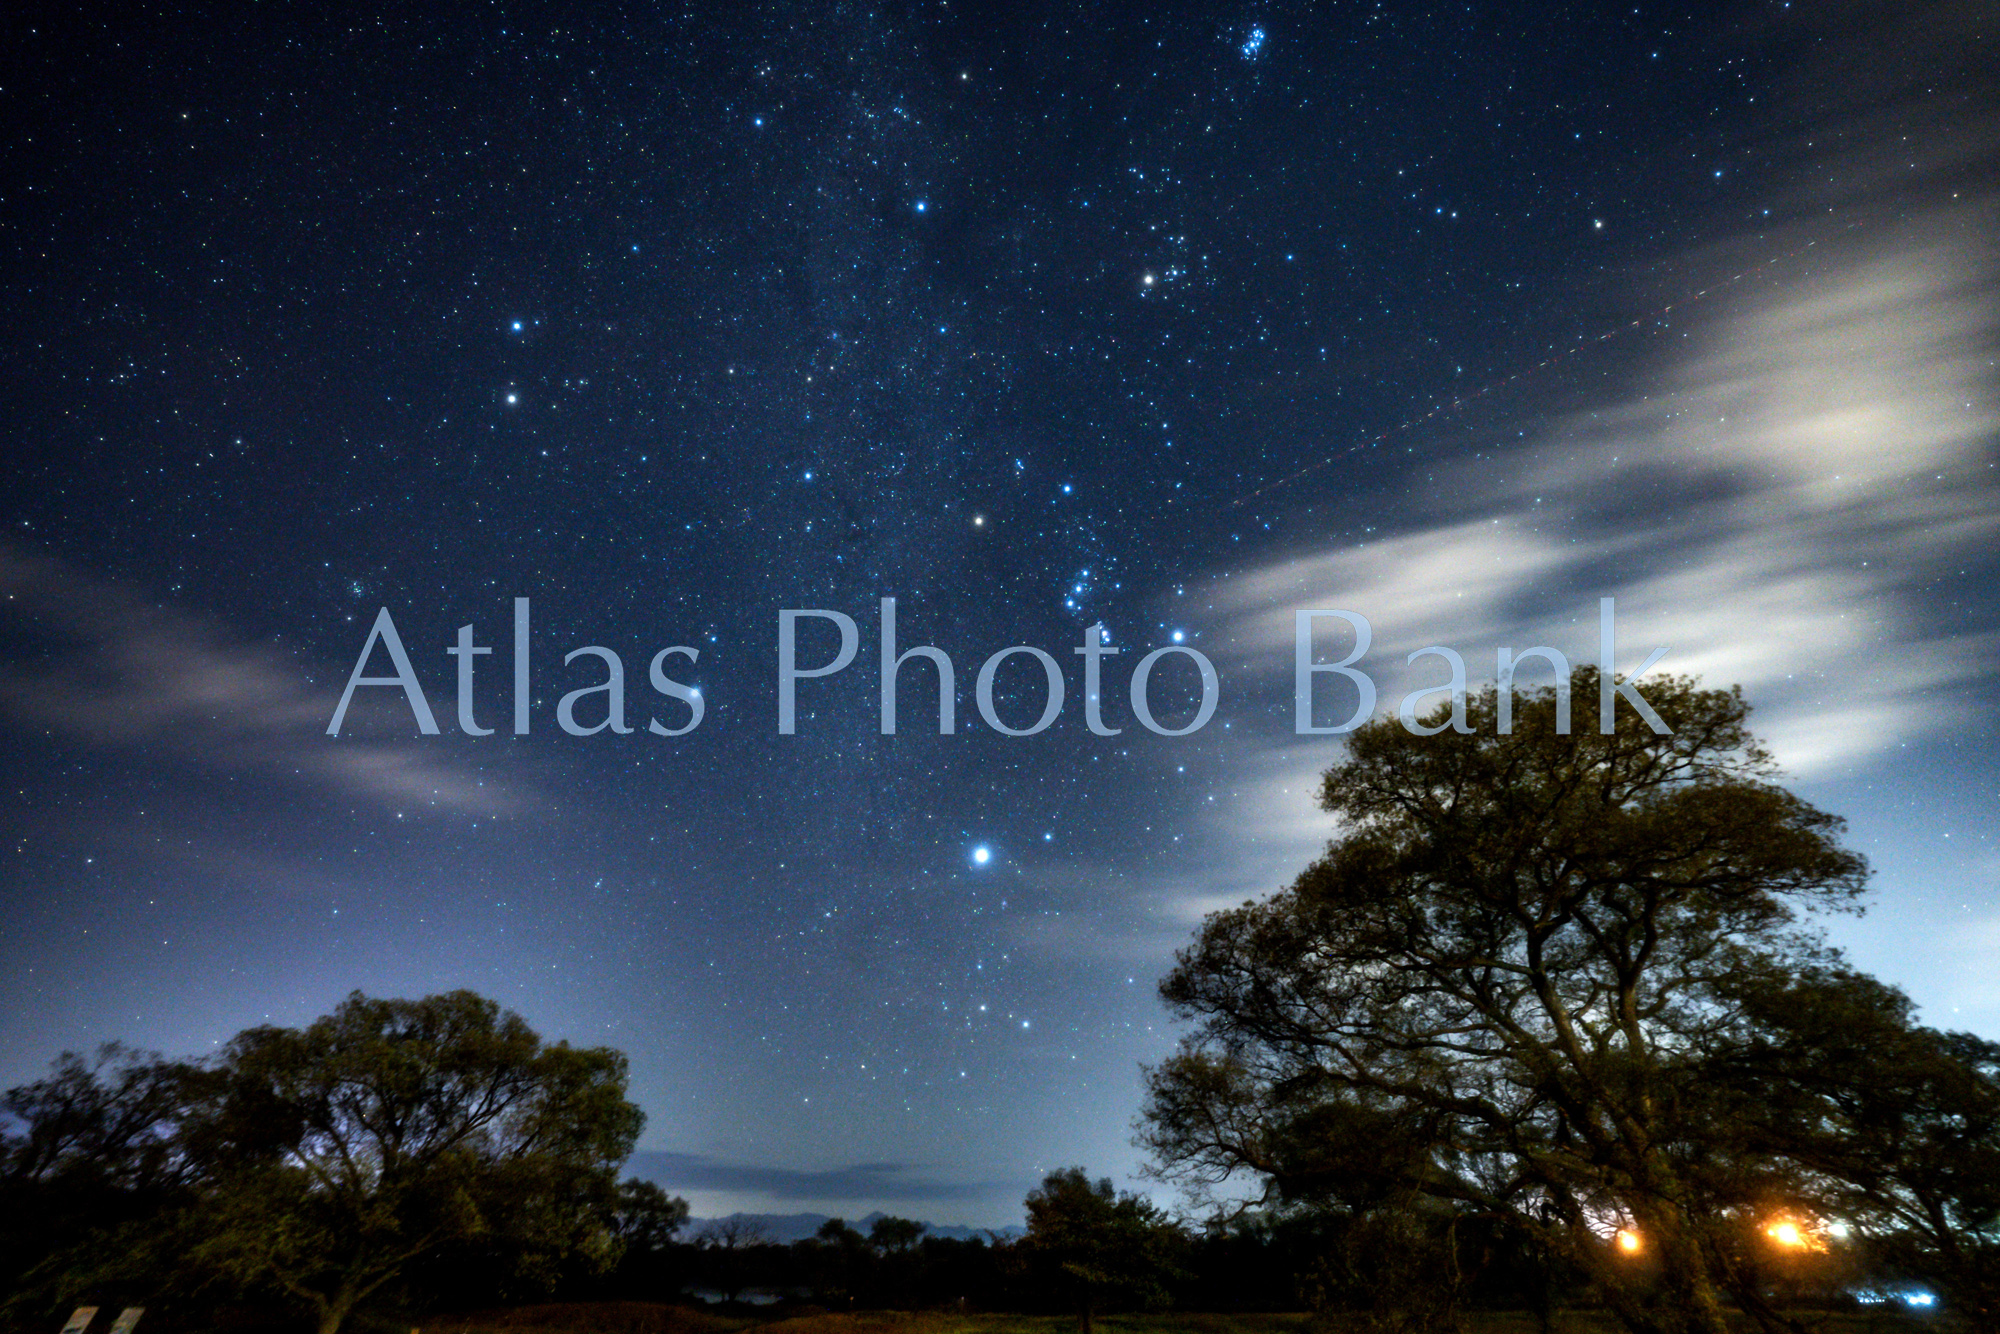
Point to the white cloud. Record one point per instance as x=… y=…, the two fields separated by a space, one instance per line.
x=129 y=673
x=1774 y=503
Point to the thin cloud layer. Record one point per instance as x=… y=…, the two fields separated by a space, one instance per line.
x=118 y=671
x=867 y=1182
x=1819 y=458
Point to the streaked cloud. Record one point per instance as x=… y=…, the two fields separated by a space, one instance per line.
x=117 y=670
x=1817 y=462
x=865 y=1182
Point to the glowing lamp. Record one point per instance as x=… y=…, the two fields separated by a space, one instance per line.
x=1787 y=1234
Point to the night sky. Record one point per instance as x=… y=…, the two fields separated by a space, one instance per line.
x=1172 y=319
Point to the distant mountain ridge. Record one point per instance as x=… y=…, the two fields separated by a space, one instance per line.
x=788 y=1228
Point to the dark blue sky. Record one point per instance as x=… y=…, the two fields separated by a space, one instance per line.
x=1173 y=319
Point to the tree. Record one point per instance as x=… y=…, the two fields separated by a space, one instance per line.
x=889 y=1233
x=345 y=1151
x=728 y=1248
x=646 y=1217
x=114 y=1120
x=93 y=1148
x=645 y=1222
x=1500 y=983
x=1898 y=1125
x=1095 y=1246
x=840 y=1262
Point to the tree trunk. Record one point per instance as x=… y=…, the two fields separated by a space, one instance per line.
x=333 y=1312
x=1666 y=1290
x=1696 y=1307
x=333 y=1308
x=1544 y=1301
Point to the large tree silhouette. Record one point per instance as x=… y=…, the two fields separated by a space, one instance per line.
x=348 y=1149
x=1502 y=983
x=1093 y=1246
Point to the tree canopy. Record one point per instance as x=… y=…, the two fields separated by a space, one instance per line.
x=1890 y=1126
x=388 y=1128
x=325 y=1162
x=1096 y=1246
x=96 y=1147
x=1503 y=982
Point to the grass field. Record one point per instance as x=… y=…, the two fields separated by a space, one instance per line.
x=648 y=1318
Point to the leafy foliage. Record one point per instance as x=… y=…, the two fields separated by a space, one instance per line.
x=1099 y=1247
x=1895 y=1126
x=94 y=1149
x=389 y=1128
x=1501 y=985
x=325 y=1163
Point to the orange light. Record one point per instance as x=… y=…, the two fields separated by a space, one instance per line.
x=1628 y=1241
x=1792 y=1237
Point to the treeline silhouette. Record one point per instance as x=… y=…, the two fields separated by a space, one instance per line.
x=402 y=1159
x=1259 y=1263
x=1547 y=1024
x=1405 y=1262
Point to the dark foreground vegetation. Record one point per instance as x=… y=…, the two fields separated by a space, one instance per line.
x=1542 y=1042
x=639 y=1318
x=1554 y=991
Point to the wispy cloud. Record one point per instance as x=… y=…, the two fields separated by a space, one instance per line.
x=1801 y=476
x=865 y=1182
x=116 y=670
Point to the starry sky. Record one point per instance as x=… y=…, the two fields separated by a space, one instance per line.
x=1170 y=319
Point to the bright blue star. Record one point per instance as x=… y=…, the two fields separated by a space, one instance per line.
x=1252 y=44
x=981 y=855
